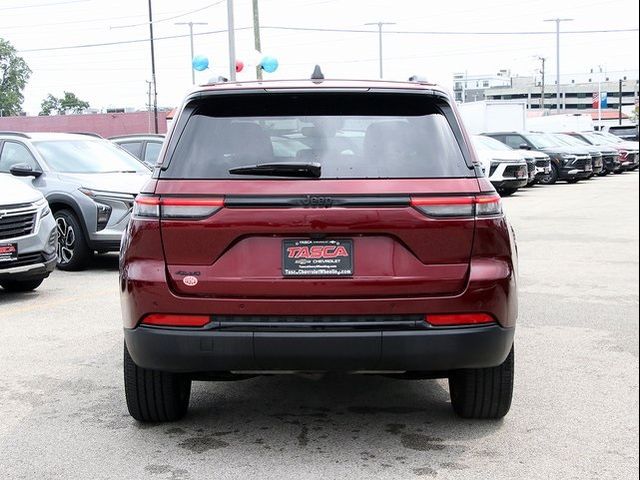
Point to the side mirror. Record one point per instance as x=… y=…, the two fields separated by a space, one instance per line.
x=24 y=170
x=524 y=146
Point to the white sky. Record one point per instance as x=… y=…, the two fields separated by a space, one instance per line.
x=115 y=75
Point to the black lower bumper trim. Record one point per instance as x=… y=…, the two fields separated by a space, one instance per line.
x=200 y=351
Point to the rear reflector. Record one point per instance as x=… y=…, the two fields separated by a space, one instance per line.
x=167 y=320
x=458 y=319
x=481 y=205
x=175 y=207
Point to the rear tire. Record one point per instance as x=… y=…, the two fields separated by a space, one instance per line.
x=551 y=177
x=73 y=251
x=483 y=393
x=19 y=286
x=154 y=396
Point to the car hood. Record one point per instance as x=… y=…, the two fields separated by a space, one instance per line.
x=504 y=155
x=13 y=191
x=569 y=150
x=109 y=182
x=538 y=155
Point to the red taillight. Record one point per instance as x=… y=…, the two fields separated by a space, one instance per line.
x=481 y=205
x=176 y=207
x=168 y=320
x=623 y=154
x=458 y=319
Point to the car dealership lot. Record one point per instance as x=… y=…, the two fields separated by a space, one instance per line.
x=575 y=412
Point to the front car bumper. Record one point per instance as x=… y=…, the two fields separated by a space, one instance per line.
x=36 y=253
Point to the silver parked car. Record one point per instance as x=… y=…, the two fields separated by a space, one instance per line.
x=89 y=183
x=27 y=236
x=145 y=146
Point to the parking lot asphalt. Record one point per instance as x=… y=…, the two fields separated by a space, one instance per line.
x=574 y=416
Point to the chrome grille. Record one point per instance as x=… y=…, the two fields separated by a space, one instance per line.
x=17 y=221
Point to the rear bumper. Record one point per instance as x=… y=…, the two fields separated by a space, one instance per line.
x=432 y=350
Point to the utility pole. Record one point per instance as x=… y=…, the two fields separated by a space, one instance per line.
x=149 y=102
x=232 y=41
x=558 y=21
x=191 y=24
x=380 y=25
x=620 y=102
x=543 y=60
x=153 y=71
x=599 y=96
x=256 y=36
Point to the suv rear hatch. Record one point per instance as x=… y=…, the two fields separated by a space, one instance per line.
x=316 y=195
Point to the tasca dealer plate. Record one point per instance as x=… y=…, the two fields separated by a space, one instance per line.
x=317 y=258
x=8 y=252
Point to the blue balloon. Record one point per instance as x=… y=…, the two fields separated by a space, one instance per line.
x=200 y=63
x=269 y=64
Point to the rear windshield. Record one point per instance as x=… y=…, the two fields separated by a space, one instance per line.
x=349 y=135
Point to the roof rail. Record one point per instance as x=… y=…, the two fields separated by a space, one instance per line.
x=131 y=135
x=16 y=134
x=89 y=134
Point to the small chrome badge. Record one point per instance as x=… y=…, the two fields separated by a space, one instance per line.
x=190 y=281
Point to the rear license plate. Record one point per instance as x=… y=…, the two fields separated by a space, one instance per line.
x=317 y=258
x=588 y=168
x=547 y=170
x=8 y=252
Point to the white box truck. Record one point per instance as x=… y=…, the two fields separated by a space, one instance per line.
x=564 y=122
x=493 y=116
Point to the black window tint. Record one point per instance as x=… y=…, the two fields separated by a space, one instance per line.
x=350 y=135
x=134 y=148
x=14 y=153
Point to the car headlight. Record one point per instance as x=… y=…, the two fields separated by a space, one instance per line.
x=102 y=200
x=43 y=206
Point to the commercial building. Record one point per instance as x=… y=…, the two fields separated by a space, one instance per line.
x=573 y=95
x=472 y=88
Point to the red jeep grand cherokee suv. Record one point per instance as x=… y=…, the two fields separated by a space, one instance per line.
x=318 y=226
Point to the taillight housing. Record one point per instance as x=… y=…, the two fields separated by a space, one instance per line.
x=623 y=154
x=458 y=319
x=176 y=207
x=178 y=320
x=459 y=206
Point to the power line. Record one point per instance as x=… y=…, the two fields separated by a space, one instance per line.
x=124 y=42
x=39 y=5
x=453 y=33
x=170 y=18
x=410 y=32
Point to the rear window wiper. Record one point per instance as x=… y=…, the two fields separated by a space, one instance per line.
x=281 y=169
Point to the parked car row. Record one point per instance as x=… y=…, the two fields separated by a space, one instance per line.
x=75 y=198
x=566 y=156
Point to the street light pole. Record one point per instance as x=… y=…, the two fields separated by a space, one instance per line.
x=558 y=20
x=191 y=24
x=380 y=25
x=232 y=41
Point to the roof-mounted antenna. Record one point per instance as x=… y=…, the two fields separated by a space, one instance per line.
x=317 y=73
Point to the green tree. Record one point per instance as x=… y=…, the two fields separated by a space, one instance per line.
x=14 y=74
x=69 y=103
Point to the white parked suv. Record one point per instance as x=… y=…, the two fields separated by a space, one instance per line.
x=505 y=168
x=28 y=236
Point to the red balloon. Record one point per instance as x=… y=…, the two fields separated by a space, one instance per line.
x=239 y=65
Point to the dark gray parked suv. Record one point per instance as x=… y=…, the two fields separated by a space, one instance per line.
x=89 y=183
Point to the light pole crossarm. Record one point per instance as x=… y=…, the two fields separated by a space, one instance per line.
x=380 y=25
